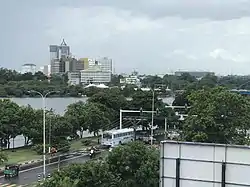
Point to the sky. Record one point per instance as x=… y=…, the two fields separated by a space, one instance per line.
x=150 y=36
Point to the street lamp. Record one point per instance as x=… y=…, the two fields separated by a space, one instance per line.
x=152 y=122
x=44 y=127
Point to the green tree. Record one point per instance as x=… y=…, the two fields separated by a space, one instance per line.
x=30 y=122
x=143 y=99
x=39 y=76
x=9 y=118
x=75 y=114
x=95 y=118
x=136 y=164
x=208 y=81
x=129 y=90
x=62 y=182
x=132 y=165
x=33 y=129
x=181 y=99
x=89 y=174
x=58 y=130
x=111 y=98
x=150 y=81
x=218 y=116
x=187 y=77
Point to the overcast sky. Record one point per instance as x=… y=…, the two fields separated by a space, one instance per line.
x=151 y=36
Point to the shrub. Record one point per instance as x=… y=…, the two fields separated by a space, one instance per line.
x=39 y=148
x=63 y=146
x=86 y=142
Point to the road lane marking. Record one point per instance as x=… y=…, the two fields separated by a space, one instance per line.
x=23 y=171
x=10 y=185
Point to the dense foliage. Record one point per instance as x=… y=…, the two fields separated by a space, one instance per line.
x=217 y=116
x=131 y=165
x=14 y=84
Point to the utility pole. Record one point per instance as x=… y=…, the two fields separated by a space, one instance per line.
x=59 y=160
x=50 y=138
x=152 y=122
x=165 y=128
x=134 y=123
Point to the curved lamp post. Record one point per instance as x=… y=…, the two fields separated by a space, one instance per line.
x=44 y=127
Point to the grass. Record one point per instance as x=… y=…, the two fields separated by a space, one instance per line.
x=26 y=154
x=21 y=155
x=77 y=144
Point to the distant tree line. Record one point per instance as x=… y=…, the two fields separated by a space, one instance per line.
x=14 y=84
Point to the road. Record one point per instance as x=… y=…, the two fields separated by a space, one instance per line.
x=31 y=175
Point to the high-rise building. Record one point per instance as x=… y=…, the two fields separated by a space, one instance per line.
x=105 y=63
x=57 y=52
x=28 y=68
x=85 y=62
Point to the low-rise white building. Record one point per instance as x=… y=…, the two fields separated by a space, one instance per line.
x=28 y=68
x=131 y=80
x=73 y=78
x=95 y=75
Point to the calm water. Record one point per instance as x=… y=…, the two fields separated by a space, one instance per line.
x=59 y=106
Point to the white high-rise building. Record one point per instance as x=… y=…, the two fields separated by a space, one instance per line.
x=45 y=69
x=28 y=68
x=105 y=64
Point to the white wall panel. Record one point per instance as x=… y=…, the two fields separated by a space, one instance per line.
x=169 y=168
x=238 y=155
x=238 y=174
x=171 y=151
x=196 y=152
x=186 y=183
x=201 y=163
x=198 y=171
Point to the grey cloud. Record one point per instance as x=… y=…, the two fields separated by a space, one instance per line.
x=142 y=38
x=155 y=9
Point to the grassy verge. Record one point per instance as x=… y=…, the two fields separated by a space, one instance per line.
x=77 y=144
x=21 y=155
x=26 y=154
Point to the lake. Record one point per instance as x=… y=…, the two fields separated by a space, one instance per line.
x=59 y=105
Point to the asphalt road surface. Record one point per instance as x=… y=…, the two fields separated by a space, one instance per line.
x=31 y=175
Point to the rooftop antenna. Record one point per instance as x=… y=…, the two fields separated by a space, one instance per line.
x=63 y=43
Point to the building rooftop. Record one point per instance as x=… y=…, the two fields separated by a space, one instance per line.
x=28 y=64
x=118 y=131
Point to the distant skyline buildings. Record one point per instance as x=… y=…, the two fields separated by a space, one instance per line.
x=57 y=52
x=61 y=61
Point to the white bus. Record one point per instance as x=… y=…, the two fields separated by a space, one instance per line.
x=116 y=137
